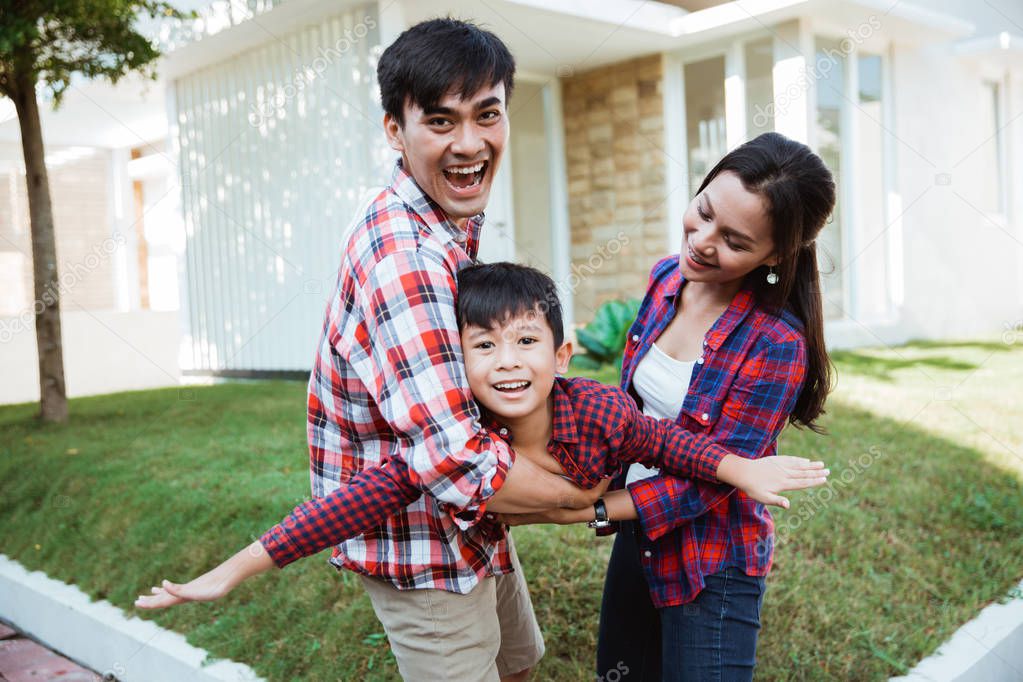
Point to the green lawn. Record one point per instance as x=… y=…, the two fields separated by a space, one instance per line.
x=920 y=527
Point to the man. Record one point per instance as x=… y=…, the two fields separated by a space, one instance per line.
x=389 y=379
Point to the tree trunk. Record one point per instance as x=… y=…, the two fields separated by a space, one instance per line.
x=53 y=398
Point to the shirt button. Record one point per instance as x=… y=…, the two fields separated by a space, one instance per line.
x=646 y=554
x=704 y=417
x=461 y=237
x=503 y=431
x=699 y=360
x=635 y=338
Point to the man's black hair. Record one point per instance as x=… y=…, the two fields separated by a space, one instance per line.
x=490 y=294
x=434 y=57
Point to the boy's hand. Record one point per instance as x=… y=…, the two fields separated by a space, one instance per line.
x=762 y=479
x=207 y=587
x=212 y=585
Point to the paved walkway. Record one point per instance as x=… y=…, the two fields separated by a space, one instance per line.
x=24 y=660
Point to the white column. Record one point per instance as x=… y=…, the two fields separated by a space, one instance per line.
x=793 y=81
x=561 y=238
x=123 y=231
x=676 y=176
x=735 y=96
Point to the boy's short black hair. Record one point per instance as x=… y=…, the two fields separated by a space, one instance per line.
x=490 y=294
x=430 y=59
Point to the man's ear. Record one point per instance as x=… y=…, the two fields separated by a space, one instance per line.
x=562 y=357
x=394 y=132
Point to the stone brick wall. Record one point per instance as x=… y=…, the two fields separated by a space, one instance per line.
x=614 y=139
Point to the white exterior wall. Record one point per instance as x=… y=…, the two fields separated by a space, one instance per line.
x=104 y=352
x=961 y=263
x=276 y=146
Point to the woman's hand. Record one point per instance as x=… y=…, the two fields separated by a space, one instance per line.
x=762 y=479
x=212 y=585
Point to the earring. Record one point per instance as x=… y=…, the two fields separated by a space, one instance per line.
x=772 y=276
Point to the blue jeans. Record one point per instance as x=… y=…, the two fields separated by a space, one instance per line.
x=711 y=638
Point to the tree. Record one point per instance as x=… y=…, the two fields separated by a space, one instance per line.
x=49 y=42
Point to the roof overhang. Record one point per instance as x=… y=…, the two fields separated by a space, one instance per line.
x=1004 y=50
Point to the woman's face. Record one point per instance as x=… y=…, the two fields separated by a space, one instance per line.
x=726 y=233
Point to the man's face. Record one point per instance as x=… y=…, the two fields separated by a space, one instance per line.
x=511 y=367
x=453 y=150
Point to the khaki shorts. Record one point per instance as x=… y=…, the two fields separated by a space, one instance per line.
x=437 y=635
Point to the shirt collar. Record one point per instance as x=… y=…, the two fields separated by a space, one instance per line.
x=738 y=309
x=564 y=428
x=407 y=189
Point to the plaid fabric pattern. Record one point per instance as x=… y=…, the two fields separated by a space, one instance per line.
x=742 y=392
x=596 y=429
x=388 y=382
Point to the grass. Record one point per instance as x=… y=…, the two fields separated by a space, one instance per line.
x=920 y=527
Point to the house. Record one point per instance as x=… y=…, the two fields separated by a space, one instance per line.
x=244 y=162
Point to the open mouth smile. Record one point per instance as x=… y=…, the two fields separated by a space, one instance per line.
x=697 y=261
x=512 y=386
x=466 y=178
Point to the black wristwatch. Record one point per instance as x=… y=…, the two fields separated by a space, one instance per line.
x=600 y=512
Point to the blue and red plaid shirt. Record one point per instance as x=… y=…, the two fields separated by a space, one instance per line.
x=742 y=391
x=595 y=430
x=389 y=382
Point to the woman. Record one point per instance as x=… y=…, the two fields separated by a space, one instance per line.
x=737 y=317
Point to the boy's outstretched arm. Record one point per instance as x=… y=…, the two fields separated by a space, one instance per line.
x=365 y=502
x=636 y=437
x=213 y=585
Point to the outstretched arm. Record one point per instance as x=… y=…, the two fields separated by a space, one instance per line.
x=213 y=585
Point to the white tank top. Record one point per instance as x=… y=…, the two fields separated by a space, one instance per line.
x=661 y=382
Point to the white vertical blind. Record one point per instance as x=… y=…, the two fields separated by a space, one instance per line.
x=276 y=146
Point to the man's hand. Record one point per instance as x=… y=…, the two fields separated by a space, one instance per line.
x=762 y=479
x=212 y=585
x=582 y=498
x=558 y=516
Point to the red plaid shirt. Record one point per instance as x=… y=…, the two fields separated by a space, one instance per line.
x=389 y=382
x=595 y=430
x=743 y=389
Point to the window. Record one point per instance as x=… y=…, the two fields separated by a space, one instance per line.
x=870 y=264
x=830 y=64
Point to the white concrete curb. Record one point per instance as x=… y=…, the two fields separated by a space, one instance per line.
x=987 y=649
x=100 y=636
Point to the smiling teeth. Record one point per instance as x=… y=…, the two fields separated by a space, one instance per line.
x=466 y=171
x=513 y=384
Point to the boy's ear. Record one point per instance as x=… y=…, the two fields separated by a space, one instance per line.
x=394 y=132
x=562 y=357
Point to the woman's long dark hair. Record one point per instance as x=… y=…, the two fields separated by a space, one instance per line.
x=800 y=195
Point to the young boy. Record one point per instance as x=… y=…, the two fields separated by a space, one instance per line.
x=510 y=324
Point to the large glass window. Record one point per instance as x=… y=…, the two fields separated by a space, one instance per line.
x=830 y=64
x=705 y=117
x=870 y=263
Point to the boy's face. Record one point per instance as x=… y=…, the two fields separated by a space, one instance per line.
x=511 y=367
x=453 y=150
